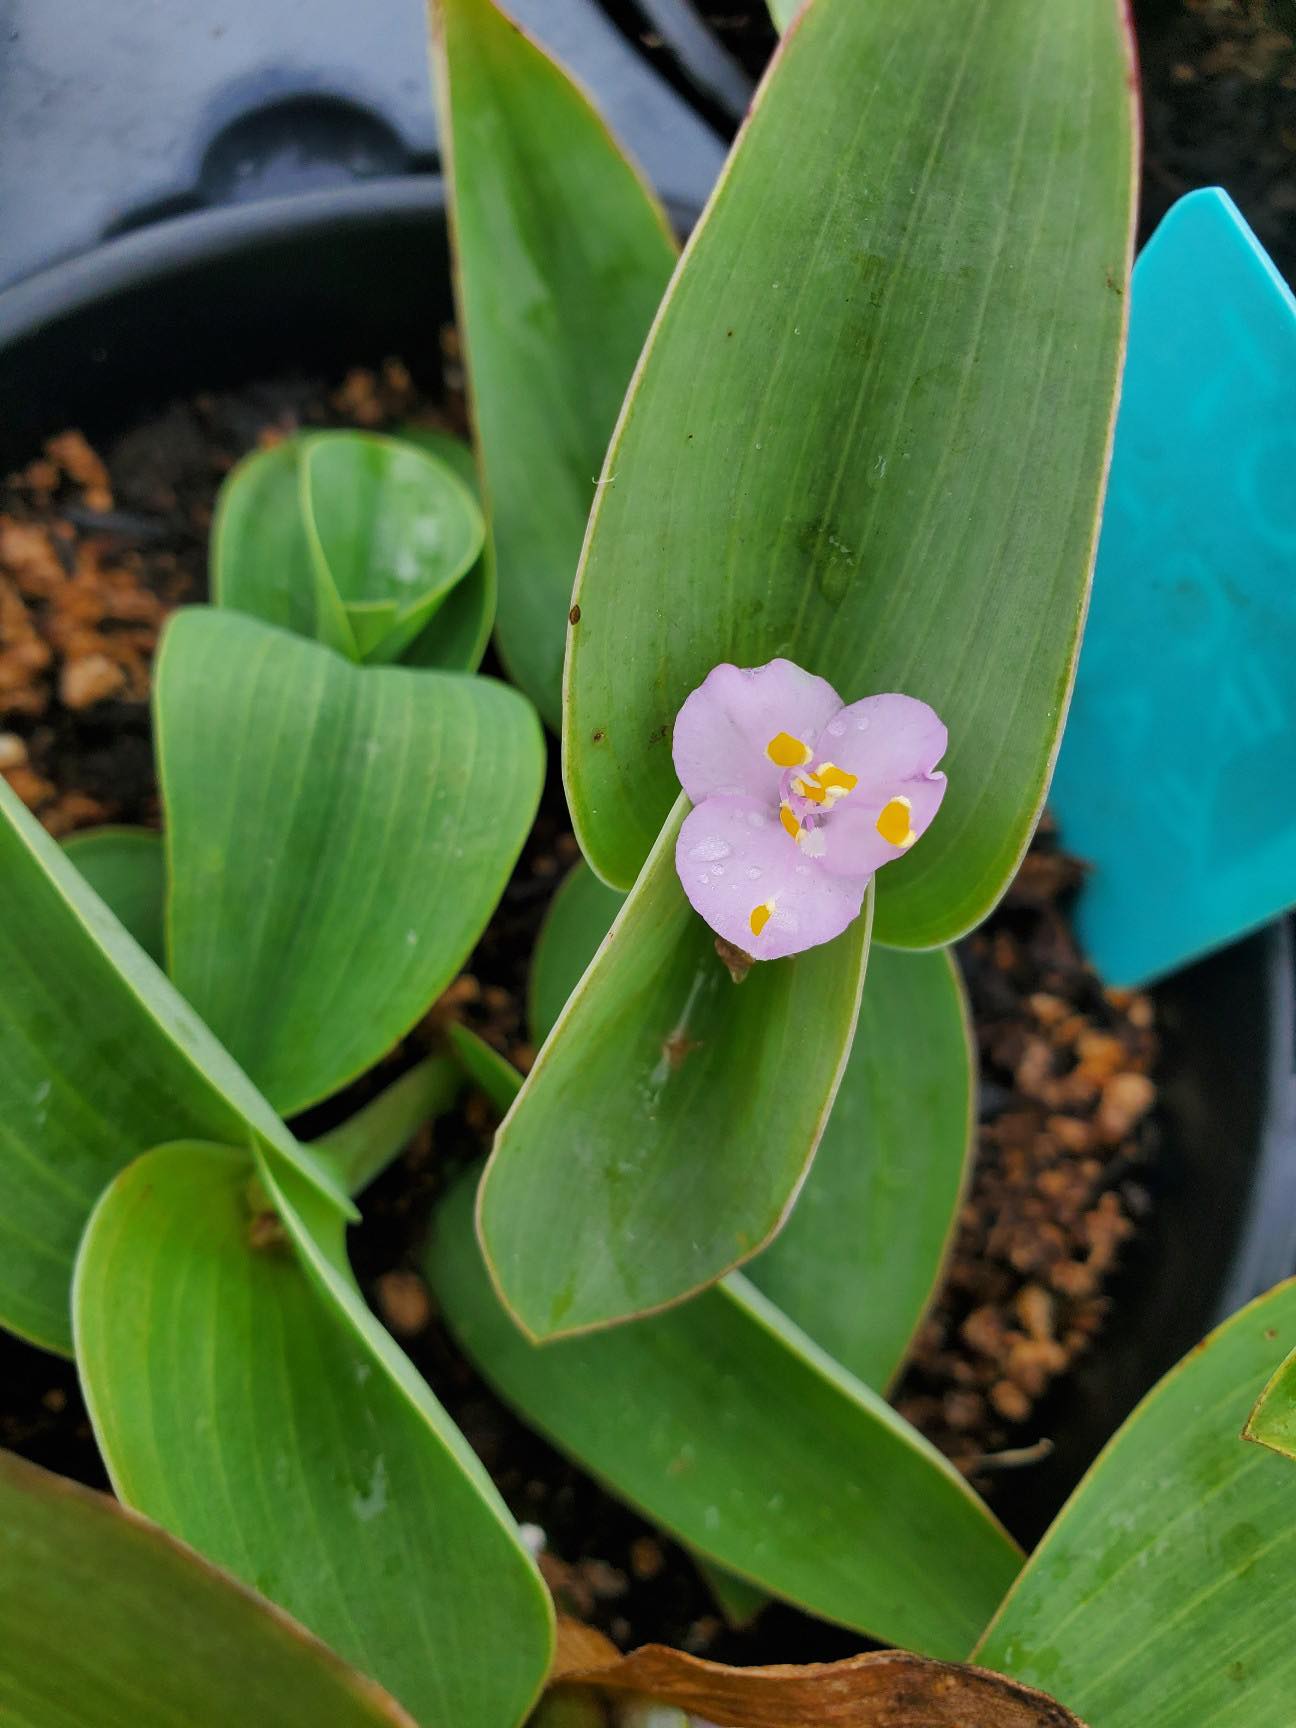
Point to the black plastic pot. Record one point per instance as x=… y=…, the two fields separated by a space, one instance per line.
x=116 y=117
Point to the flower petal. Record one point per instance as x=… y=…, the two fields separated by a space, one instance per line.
x=746 y=876
x=883 y=741
x=853 y=846
x=724 y=727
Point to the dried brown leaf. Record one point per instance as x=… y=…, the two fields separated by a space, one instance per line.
x=887 y=1689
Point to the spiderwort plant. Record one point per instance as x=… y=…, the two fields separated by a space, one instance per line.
x=876 y=400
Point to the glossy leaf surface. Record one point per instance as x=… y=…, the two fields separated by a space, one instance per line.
x=578 y=919
x=391 y=529
x=856 y=1263
x=338 y=837
x=457 y=637
x=561 y=255
x=109 y=1623
x=126 y=867
x=101 y=1058
x=871 y=427
x=727 y=1426
x=260 y=554
x=666 y=1092
x=1157 y=1599
x=245 y=1399
x=268 y=560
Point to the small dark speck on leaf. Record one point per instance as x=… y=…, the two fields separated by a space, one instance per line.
x=598 y=737
x=573 y=617
x=657 y=734
x=678 y=1048
x=728 y=332
x=1271 y=1332
x=1236 y=1672
x=1115 y=286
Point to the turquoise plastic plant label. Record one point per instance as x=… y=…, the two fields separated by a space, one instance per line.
x=1176 y=780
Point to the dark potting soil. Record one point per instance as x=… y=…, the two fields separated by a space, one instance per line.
x=94 y=552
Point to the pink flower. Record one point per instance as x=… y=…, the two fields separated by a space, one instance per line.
x=799 y=799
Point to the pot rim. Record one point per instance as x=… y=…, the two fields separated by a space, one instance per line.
x=160 y=248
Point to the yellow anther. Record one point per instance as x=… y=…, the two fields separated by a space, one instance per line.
x=761 y=916
x=785 y=751
x=894 y=824
x=807 y=787
x=834 y=780
x=789 y=821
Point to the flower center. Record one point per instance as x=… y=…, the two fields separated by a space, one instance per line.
x=817 y=791
x=825 y=784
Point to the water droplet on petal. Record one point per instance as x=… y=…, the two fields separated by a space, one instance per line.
x=718 y=869
x=753 y=875
x=803 y=869
x=707 y=851
x=862 y=725
x=836 y=727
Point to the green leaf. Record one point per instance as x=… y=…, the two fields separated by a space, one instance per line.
x=109 y=1622
x=490 y=1072
x=260 y=557
x=244 y=1397
x=457 y=637
x=126 y=867
x=1159 y=1597
x=670 y=1117
x=578 y=919
x=871 y=426
x=570 y=1709
x=739 y=1601
x=391 y=529
x=857 y=1262
x=561 y=256
x=364 y=1145
x=782 y=12
x=446 y=448
x=102 y=1058
x=264 y=560
x=338 y=837
x=724 y=1424
x=1273 y=1421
